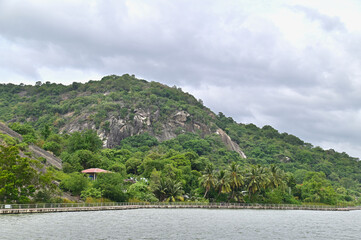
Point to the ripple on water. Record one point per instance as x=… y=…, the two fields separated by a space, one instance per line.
x=183 y=224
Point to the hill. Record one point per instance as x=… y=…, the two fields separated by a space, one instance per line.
x=116 y=107
x=23 y=175
x=148 y=130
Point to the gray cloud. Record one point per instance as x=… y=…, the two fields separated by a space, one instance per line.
x=227 y=53
x=328 y=23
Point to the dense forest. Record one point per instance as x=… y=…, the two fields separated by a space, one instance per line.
x=160 y=144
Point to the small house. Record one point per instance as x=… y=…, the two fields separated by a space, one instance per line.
x=92 y=172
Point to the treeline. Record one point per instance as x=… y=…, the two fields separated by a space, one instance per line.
x=178 y=165
x=187 y=167
x=265 y=146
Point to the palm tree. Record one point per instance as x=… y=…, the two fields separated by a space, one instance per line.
x=160 y=189
x=277 y=177
x=168 y=189
x=257 y=179
x=208 y=179
x=174 y=190
x=235 y=178
x=223 y=185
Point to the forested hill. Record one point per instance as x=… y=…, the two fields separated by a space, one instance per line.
x=117 y=107
x=147 y=126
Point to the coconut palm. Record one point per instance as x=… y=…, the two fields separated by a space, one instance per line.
x=174 y=190
x=208 y=179
x=277 y=177
x=235 y=178
x=160 y=189
x=257 y=179
x=168 y=190
x=223 y=185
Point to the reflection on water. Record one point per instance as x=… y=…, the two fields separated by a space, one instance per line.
x=183 y=224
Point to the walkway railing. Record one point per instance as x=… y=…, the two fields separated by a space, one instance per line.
x=170 y=204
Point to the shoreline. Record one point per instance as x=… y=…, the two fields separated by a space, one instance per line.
x=171 y=206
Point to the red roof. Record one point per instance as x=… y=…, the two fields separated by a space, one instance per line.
x=95 y=170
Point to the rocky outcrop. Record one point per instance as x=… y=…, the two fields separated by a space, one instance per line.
x=6 y=130
x=35 y=150
x=50 y=158
x=229 y=143
x=181 y=116
x=144 y=121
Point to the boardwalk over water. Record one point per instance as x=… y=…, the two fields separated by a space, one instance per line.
x=78 y=207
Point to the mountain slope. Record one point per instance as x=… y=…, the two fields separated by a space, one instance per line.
x=118 y=108
x=35 y=151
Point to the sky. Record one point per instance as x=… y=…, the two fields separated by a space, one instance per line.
x=292 y=64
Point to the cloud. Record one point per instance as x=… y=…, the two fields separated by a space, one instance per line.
x=295 y=67
x=328 y=23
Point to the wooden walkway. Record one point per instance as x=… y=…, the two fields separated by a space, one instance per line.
x=171 y=206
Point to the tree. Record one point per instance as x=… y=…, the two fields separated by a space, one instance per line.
x=208 y=179
x=75 y=183
x=235 y=178
x=45 y=131
x=132 y=165
x=86 y=140
x=27 y=131
x=18 y=179
x=112 y=186
x=277 y=177
x=52 y=146
x=167 y=189
x=81 y=159
x=257 y=179
x=223 y=185
x=316 y=188
x=174 y=190
x=140 y=191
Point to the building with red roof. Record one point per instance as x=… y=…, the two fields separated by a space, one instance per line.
x=94 y=171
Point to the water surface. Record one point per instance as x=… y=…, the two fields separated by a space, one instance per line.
x=183 y=224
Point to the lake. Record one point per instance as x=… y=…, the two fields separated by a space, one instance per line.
x=183 y=224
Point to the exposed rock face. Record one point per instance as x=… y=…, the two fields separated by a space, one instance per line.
x=35 y=150
x=6 y=130
x=50 y=158
x=181 y=116
x=146 y=122
x=118 y=131
x=229 y=143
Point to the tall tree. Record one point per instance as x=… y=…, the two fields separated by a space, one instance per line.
x=174 y=190
x=18 y=179
x=223 y=185
x=257 y=179
x=277 y=177
x=235 y=178
x=86 y=140
x=208 y=179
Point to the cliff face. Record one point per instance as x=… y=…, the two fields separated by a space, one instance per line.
x=146 y=122
x=229 y=143
x=143 y=121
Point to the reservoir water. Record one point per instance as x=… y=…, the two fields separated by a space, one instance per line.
x=183 y=224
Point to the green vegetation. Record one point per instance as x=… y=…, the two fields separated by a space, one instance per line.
x=19 y=180
x=195 y=165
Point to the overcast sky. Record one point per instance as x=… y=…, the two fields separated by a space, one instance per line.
x=294 y=65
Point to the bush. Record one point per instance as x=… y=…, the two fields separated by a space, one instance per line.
x=75 y=183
